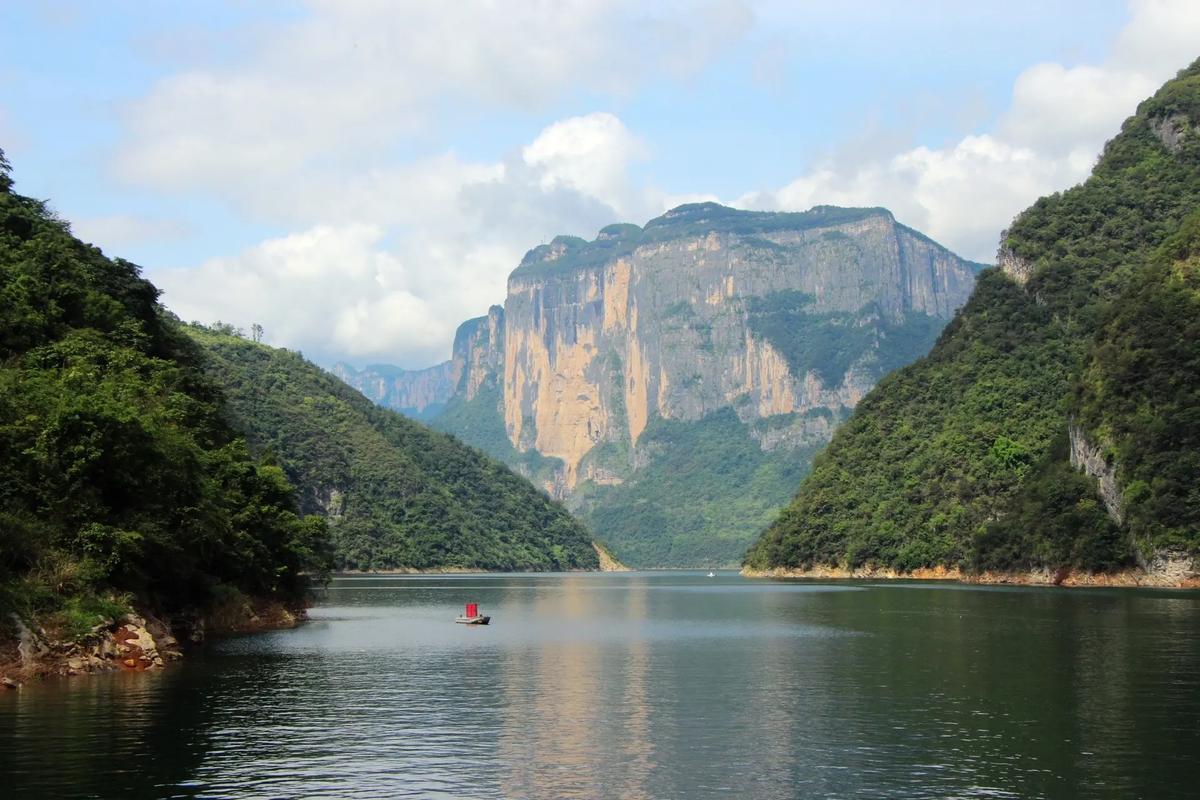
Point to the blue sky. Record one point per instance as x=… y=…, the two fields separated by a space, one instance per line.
x=361 y=176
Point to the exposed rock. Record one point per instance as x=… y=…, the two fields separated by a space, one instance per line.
x=607 y=562
x=417 y=393
x=332 y=501
x=8 y=683
x=1012 y=265
x=1090 y=459
x=479 y=349
x=1175 y=576
x=703 y=310
x=135 y=642
x=593 y=352
x=1171 y=130
x=1173 y=569
x=135 y=645
x=477 y=354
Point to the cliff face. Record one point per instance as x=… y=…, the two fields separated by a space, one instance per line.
x=745 y=335
x=419 y=393
x=697 y=312
x=423 y=393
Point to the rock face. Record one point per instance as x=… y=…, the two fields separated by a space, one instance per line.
x=422 y=393
x=599 y=344
x=1089 y=459
x=785 y=319
x=418 y=393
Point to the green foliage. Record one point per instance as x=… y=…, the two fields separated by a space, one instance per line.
x=480 y=422
x=569 y=253
x=117 y=472
x=1056 y=520
x=1140 y=392
x=830 y=342
x=397 y=494
x=943 y=449
x=700 y=500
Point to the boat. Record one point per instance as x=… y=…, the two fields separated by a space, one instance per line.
x=712 y=574
x=472 y=616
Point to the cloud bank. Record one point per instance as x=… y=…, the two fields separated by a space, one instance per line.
x=329 y=129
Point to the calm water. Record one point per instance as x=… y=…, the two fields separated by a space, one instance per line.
x=646 y=685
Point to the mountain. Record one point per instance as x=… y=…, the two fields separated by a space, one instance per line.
x=121 y=483
x=672 y=382
x=419 y=394
x=396 y=494
x=1055 y=424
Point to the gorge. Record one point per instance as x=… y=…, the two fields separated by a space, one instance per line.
x=671 y=383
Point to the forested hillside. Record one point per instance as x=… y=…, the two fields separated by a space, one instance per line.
x=397 y=495
x=120 y=481
x=1083 y=343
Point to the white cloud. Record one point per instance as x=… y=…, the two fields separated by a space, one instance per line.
x=388 y=254
x=588 y=154
x=351 y=78
x=347 y=288
x=327 y=289
x=115 y=232
x=965 y=193
x=301 y=131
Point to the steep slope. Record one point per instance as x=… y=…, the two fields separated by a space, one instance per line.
x=397 y=495
x=120 y=483
x=721 y=342
x=1076 y=349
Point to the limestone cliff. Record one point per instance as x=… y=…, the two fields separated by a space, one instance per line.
x=418 y=393
x=422 y=393
x=710 y=329
x=694 y=314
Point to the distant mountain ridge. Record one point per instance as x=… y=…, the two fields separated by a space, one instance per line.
x=418 y=393
x=743 y=335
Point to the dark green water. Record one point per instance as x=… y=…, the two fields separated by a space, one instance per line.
x=647 y=685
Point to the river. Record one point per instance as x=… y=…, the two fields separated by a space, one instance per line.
x=657 y=685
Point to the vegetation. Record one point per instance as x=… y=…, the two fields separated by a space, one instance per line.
x=569 y=253
x=480 y=422
x=120 y=481
x=831 y=342
x=397 y=494
x=699 y=501
x=958 y=459
x=1140 y=392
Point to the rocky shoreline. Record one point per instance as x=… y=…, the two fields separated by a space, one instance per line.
x=1166 y=575
x=136 y=642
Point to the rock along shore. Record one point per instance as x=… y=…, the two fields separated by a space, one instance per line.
x=1170 y=574
x=137 y=642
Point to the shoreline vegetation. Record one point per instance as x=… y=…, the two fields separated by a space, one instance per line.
x=1167 y=574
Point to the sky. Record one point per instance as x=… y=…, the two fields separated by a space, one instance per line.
x=360 y=176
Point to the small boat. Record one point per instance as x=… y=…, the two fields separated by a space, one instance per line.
x=712 y=574
x=472 y=616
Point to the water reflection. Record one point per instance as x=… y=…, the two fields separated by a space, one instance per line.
x=646 y=686
x=576 y=720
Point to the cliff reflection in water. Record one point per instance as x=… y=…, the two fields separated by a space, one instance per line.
x=646 y=686
x=576 y=720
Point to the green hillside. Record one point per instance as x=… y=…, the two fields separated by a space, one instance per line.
x=397 y=494
x=961 y=458
x=120 y=480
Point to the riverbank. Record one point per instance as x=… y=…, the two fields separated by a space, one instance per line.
x=608 y=562
x=137 y=642
x=1162 y=574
